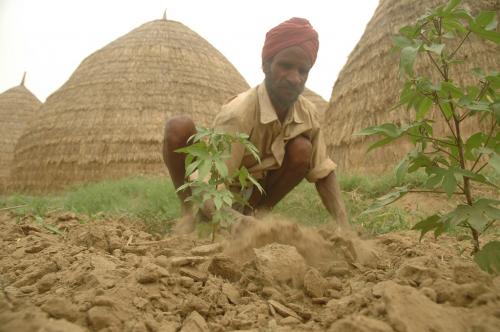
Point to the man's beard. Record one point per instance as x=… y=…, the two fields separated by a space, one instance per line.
x=275 y=98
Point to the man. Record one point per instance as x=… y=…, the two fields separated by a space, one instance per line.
x=284 y=126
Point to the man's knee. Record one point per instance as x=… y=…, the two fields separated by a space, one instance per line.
x=298 y=152
x=177 y=130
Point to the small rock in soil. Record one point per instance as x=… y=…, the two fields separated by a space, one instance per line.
x=314 y=283
x=59 y=307
x=46 y=282
x=225 y=267
x=231 y=292
x=188 y=260
x=194 y=274
x=358 y=323
x=194 y=323
x=102 y=317
x=207 y=250
x=289 y=321
x=283 y=310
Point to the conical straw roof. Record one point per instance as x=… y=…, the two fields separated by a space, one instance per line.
x=317 y=100
x=17 y=106
x=107 y=120
x=368 y=84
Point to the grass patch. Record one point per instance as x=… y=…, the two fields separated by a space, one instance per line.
x=153 y=200
x=304 y=205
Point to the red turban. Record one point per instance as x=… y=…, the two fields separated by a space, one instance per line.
x=294 y=32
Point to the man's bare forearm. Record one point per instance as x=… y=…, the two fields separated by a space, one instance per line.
x=329 y=191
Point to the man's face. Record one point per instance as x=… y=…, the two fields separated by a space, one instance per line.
x=286 y=75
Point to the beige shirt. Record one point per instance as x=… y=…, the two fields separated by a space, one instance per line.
x=252 y=113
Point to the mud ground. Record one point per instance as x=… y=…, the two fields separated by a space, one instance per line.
x=110 y=275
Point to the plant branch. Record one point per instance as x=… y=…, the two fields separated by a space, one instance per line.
x=435 y=63
x=488 y=225
x=460 y=45
x=481 y=168
x=478 y=98
x=446 y=152
x=432 y=139
x=423 y=36
x=436 y=101
x=490 y=134
x=483 y=91
x=434 y=192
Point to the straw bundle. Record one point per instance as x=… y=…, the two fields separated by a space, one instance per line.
x=317 y=100
x=368 y=84
x=17 y=107
x=106 y=121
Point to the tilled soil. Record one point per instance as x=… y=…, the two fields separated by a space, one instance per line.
x=110 y=275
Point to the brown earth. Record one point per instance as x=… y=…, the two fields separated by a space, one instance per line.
x=112 y=276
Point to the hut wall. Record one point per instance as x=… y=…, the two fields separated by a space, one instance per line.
x=17 y=106
x=107 y=120
x=369 y=84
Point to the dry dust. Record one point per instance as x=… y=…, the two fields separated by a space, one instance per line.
x=110 y=275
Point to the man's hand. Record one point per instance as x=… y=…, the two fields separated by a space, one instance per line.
x=185 y=224
x=329 y=191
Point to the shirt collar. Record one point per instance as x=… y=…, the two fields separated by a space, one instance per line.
x=267 y=112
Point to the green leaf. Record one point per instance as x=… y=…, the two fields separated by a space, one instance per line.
x=453 y=24
x=387 y=199
x=477 y=215
x=453 y=90
x=423 y=108
x=452 y=4
x=409 y=31
x=486 y=34
x=434 y=48
x=191 y=168
x=486 y=20
x=494 y=80
x=401 y=170
x=401 y=41
x=446 y=109
x=427 y=225
x=217 y=202
x=488 y=258
x=228 y=199
x=434 y=181
x=495 y=162
x=243 y=176
x=380 y=143
x=407 y=59
x=479 y=106
x=386 y=129
x=449 y=183
x=221 y=167
x=472 y=143
x=204 y=169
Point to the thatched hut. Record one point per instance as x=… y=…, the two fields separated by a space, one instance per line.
x=17 y=106
x=368 y=84
x=317 y=100
x=106 y=121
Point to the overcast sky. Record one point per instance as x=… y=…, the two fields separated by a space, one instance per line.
x=49 y=38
